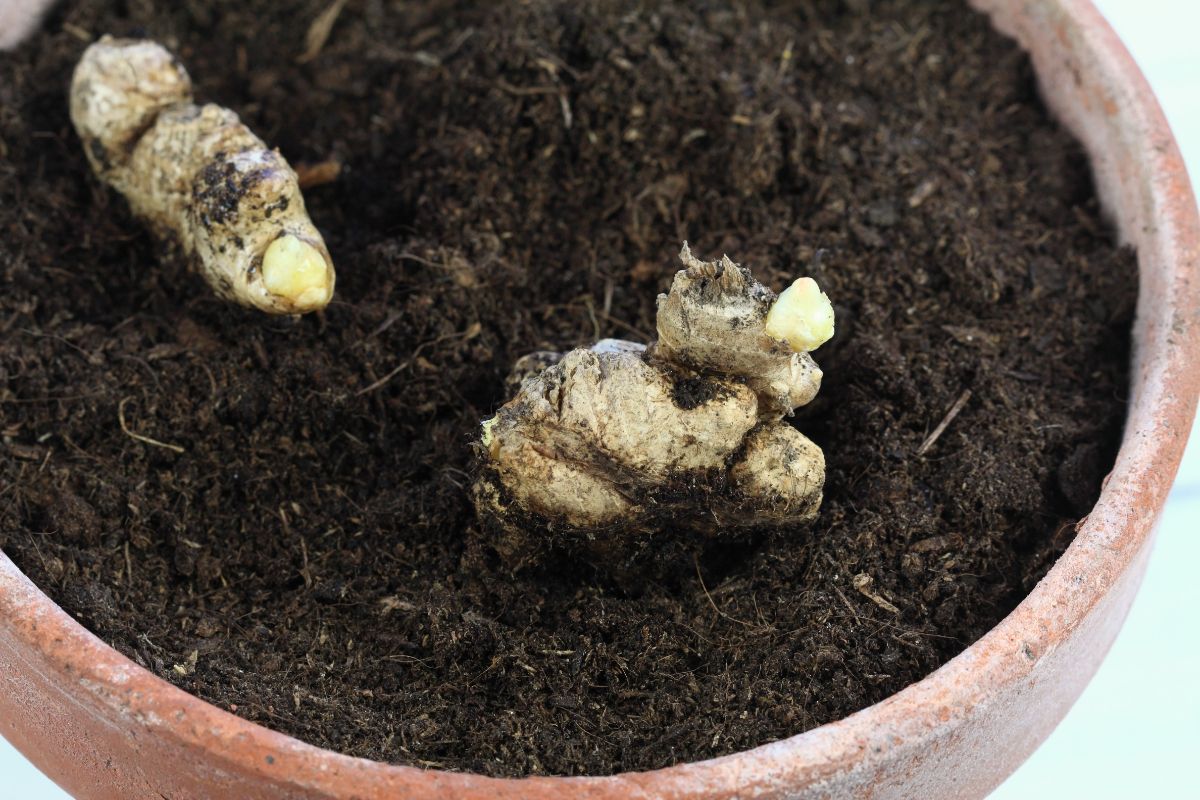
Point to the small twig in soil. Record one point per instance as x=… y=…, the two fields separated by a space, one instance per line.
x=304 y=571
x=848 y=604
x=319 y=30
x=144 y=439
x=522 y=91
x=712 y=602
x=862 y=583
x=90 y=358
x=20 y=401
x=945 y=423
x=318 y=174
x=471 y=332
x=609 y=318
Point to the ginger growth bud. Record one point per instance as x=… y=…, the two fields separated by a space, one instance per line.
x=620 y=439
x=296 y=271
x=802 y=316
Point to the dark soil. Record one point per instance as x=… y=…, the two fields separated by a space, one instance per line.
x=517 y=177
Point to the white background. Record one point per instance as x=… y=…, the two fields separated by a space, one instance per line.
x=1135 y=732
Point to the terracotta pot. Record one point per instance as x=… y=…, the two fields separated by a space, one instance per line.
x=103 y=727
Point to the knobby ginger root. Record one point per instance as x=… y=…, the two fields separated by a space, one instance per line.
x=624 y=439
x=718 y=319
x=197 y=175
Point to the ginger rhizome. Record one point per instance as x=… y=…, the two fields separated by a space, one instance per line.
x=198 y=176
x=622 y=438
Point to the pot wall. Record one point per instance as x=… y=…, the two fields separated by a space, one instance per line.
x=105 y=728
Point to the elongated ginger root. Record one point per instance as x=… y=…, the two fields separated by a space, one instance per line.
x=197 y=175
x=620 y=439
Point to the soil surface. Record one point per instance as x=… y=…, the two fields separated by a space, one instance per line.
x=297 y=544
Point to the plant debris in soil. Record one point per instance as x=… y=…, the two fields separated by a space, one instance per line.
x=274 y=514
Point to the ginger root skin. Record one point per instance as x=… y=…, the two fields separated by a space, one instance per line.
x=196 y=175
x=586 y=438
x=607 y=445
x=714 y=320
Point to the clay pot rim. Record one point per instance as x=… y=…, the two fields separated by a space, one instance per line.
x=1163 y=405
